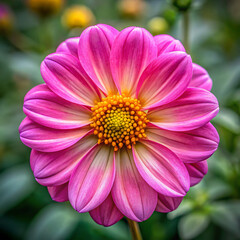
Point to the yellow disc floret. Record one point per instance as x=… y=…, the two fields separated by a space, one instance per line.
x=117 y=120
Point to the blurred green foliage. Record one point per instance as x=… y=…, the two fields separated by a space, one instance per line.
x=211 y=210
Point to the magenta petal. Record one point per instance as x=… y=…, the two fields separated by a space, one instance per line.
x=92 y=179
x=197 y=171
x=193 y=109
x=131 y=194
x=46 y=108
x=65 y=76
x=165 y=79
x=133 y=49
x=166 y=43
x=200 y=78
x=94 y=53
x=55 y=168
x=167 y=204
x=59 y=193
x=47 y=139
x=69 y=46
x=107 y=213
x=161 y=168
x=190 y=146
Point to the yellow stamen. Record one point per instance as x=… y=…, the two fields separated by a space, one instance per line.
x=116 y=121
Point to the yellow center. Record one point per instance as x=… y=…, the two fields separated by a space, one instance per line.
x=117 y=120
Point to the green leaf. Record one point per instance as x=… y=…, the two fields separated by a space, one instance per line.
x=192 y=225
x=224 y=77
x=226 y=217
x=58 y=221
x=185 y=207
x=220 y=165
x=27 y=65
x=218 y=189
x=10 y=118
x=234 y=206
x=54 y=222
x=16 y=184
x=229 y=120
x=117 y=231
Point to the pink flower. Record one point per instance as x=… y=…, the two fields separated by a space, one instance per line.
x=6 y=19
x=121 y=125
x=4 y=11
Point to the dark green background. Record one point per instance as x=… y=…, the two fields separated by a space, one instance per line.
x=211 y=210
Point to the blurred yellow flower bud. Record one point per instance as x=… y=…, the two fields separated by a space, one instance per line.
x=6 y=19
x=78 y=16
x=45 y=8
x=158 y=25
x=132 y=8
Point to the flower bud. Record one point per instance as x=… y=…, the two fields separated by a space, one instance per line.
x=182 y=5
x=77 y=16
x=45 y=8
x=132 y=8
x=158 y=25
x=170 y=14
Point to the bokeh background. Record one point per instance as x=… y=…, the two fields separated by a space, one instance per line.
x=29 y=31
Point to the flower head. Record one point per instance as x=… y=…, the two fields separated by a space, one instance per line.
x=121 y=125
x=78 y=16
x=158 y=25
x=45 y=8
x=6 y=19
x=132 y=8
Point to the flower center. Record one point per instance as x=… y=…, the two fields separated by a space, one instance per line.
x=117 y=120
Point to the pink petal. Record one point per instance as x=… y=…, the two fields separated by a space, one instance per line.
x=59 y=193
x=166 y=43
x=167 y=204
x=133 y=49
x=193 y=109
x=94 y=54
x=190 y=146
x=92 y=179
x=200 y=78
x=69 y=46
x=197 y=171
x=107 y=213
x=165 y=79
x=55 y=168
x=46 y=108
x=131 y=194
x=65 y=76
x=161 y=168
x=47 y=139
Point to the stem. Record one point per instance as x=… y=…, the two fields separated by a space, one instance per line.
x=186 y=30
x=46 y=34
x=134 y=228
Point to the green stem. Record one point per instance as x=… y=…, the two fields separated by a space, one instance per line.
x=134 y=228
x=186 y=31
x=46 y=34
